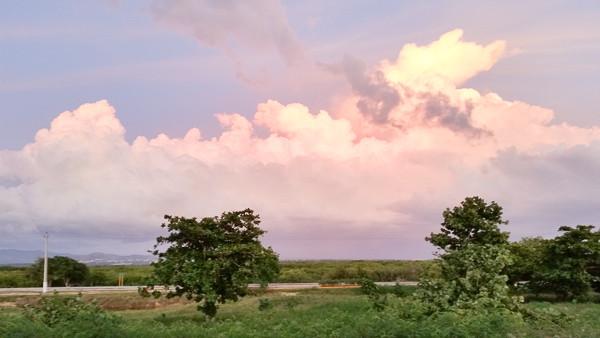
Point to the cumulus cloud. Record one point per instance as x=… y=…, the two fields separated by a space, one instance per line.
x=449 y=57
x=419 y=88
x=234 y=27
x=316 y=174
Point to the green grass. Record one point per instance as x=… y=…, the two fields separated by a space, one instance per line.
x=313 y=313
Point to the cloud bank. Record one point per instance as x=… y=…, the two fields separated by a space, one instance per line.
x=373 y=170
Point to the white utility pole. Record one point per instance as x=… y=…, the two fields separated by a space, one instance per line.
x=45 y=284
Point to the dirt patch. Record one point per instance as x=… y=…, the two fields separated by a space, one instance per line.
x=289 y=293
x=110 y=301
x=339 y=286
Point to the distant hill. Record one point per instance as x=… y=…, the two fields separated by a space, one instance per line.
x=26 y=257
x=98 y=258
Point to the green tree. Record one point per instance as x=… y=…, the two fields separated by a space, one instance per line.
x=473 y=253
x=96 y=278
x=61 y=269
x=212 y=260
x=527 y=255
x=567 y=261
x=472 y=223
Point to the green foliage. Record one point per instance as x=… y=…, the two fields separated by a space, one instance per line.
x=134 y=275
x=565 y=266
x=61 y=270
x=96 y=278
x=397 y=290
x=212 y=260
x=55 y=309
x=14 y=277
x=474 y=255
x=527 y=255
x=472 y=223
x=62 y=316
x=265 y=304
x=566 y=261
x=353 y=271
x=377 y=298
x=472 y=279
x=324 y=313
x=291 y=303
x=368 y=287
x=291 y=272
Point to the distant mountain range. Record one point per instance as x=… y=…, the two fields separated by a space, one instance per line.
x=23 y=257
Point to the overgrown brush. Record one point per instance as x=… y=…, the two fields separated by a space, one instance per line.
x=319 y=313
x=63 y=316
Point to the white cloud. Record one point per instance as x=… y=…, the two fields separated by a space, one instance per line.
x=315 y=173
x=448 y=57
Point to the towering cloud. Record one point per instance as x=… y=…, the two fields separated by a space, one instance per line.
x=353 y=174
x=449 y=57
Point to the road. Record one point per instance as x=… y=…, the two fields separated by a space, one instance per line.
x=104 y=289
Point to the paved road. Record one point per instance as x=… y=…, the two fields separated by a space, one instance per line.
x=103 y=289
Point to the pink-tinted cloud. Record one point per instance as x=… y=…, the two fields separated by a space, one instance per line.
x=327 y=175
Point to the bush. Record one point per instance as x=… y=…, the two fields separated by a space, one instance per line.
x=397 y=290
x=69 y=310
x=377 y=298
x=264 y=304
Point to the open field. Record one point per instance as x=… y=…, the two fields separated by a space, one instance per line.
x=297 y=313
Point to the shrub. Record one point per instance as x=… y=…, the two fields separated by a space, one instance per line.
x=57 y=309
x=264 y=304
x=377 y=298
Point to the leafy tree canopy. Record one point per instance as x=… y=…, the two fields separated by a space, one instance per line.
x=61 y=269
x=212 y=260
x=527 y=255
x=474 y=255
x=567 y=261
x=472 y=223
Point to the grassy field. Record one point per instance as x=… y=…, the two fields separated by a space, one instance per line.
x=300 y=313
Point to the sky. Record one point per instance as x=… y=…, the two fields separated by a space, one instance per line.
x=348 y=126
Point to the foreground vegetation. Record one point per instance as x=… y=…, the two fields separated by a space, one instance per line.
x=300 y=313
x=465 y=293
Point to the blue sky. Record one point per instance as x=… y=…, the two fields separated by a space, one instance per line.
x=165 y=70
